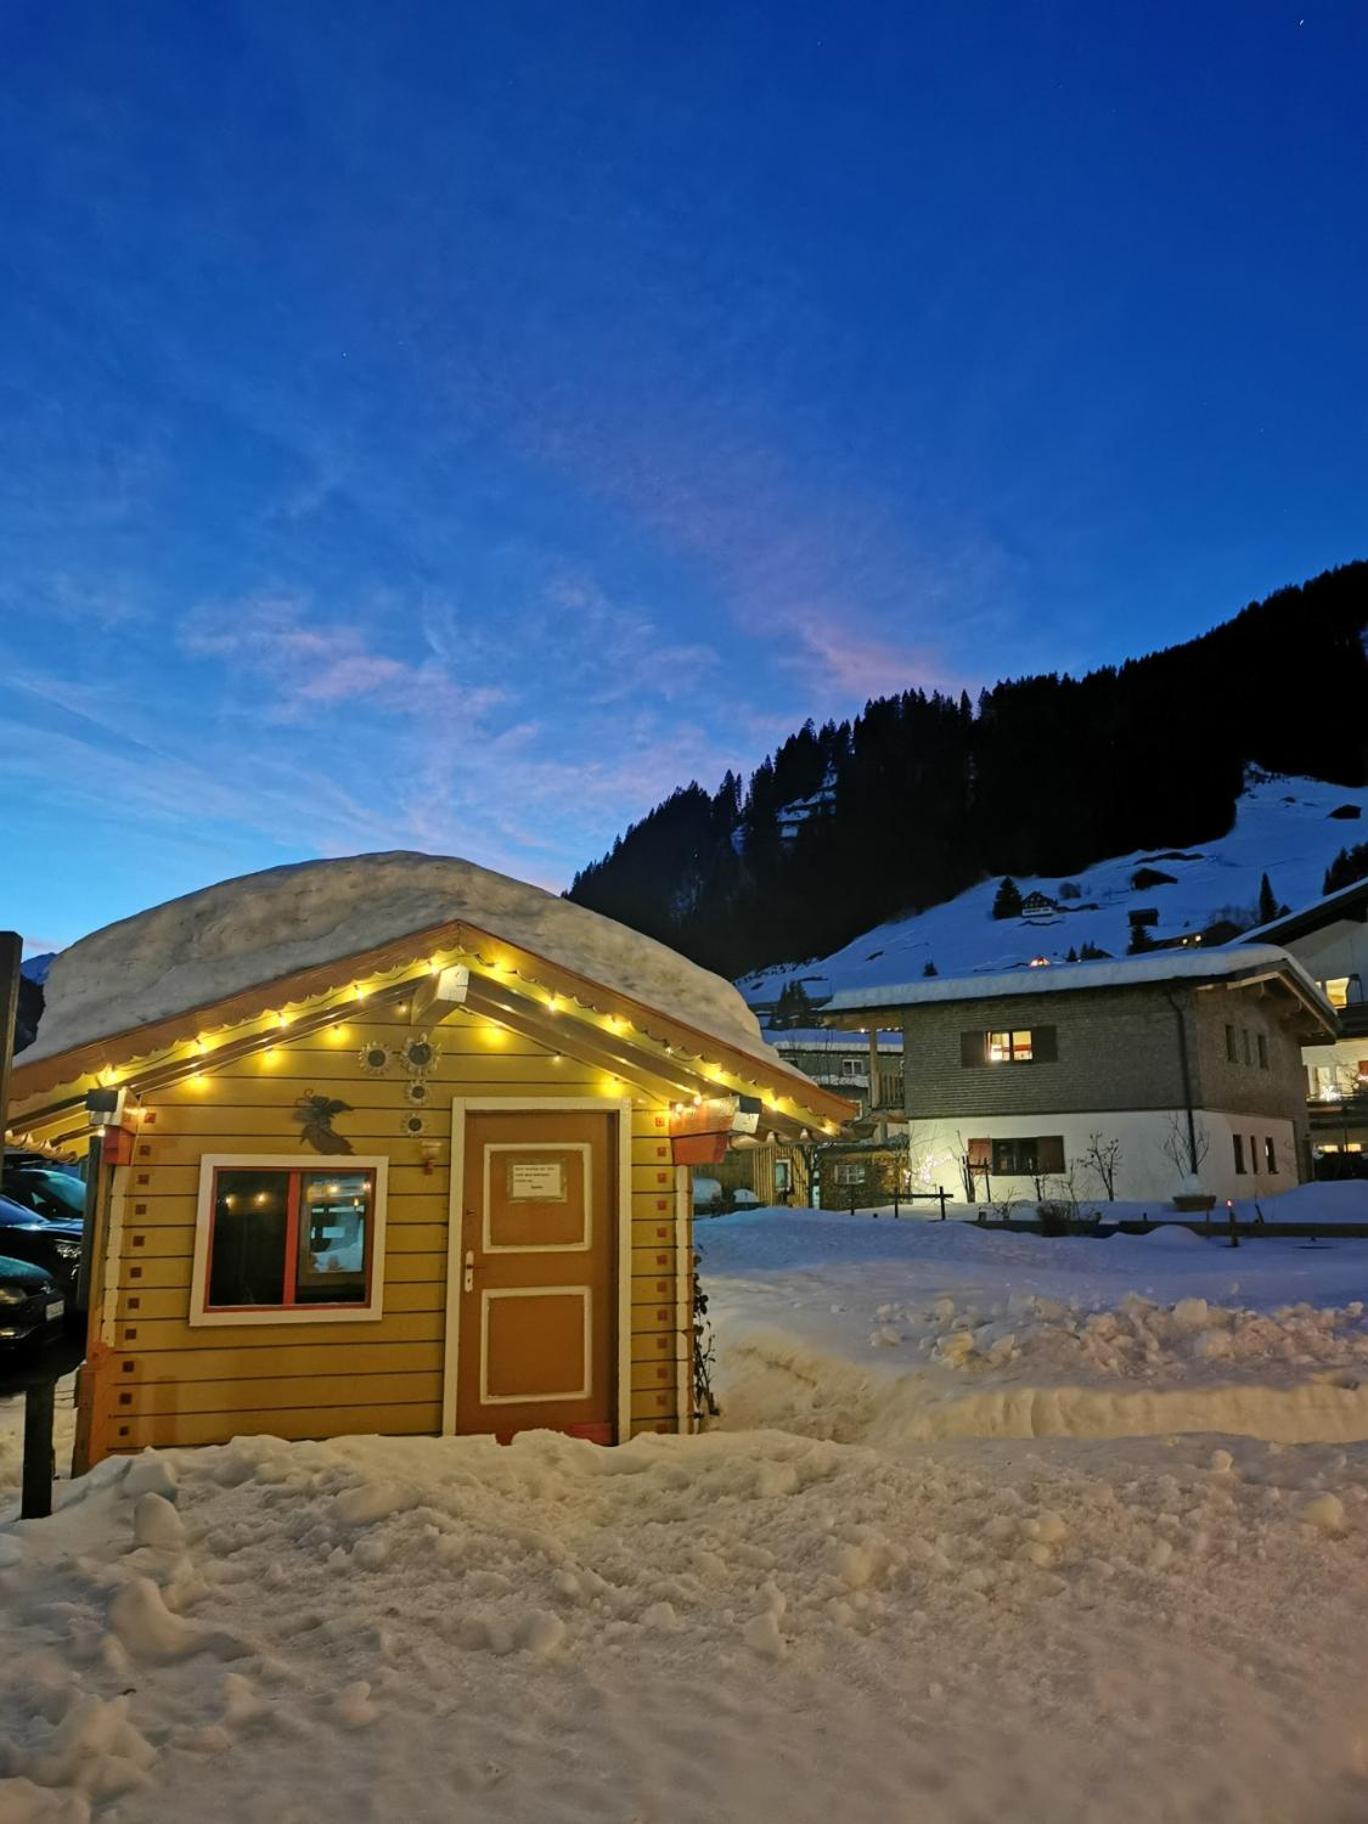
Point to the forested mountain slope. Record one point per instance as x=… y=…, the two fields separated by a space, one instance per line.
x=848 y=826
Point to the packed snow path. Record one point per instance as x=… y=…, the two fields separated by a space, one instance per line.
x=712 y=1629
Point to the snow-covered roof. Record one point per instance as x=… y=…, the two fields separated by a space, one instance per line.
x=826 y=1038
x=1115 y=972
x=229 y=938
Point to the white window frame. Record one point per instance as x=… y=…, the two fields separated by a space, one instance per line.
x=286 y=1315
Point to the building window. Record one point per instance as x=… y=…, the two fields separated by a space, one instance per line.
x=1239 y=1153
x=1337 y=991
x=1263 y=1051
x=850 y=1171
x=782 y=1179
x=1270 y=1154
x=1010 y=1048
x=852 y=1067
x=288 y=1244
x=1027 y=1158
x=1231 y=1053
x=1244 y=1040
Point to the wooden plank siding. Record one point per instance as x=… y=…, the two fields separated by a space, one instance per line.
x=162 y=1381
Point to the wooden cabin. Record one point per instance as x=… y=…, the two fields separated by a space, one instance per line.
x=434 y=1183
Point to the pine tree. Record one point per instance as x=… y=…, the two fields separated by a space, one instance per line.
x=929 y=968
x=1349 y=866
x=1007 y=901
x=1268 y=902
x=1072 y=957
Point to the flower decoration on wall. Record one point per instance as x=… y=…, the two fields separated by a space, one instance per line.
x=417 y=1092
x=412 y=1124
x=419 y=1054
x=374 y=1058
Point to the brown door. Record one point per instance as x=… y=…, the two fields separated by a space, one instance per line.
x=538 y=1315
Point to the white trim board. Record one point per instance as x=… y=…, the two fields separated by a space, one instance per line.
x=461 y=1106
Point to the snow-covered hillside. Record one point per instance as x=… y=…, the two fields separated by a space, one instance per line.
x=1283 y=827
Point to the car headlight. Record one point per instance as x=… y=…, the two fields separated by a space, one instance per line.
x=11 y=1296
x=67 y=1250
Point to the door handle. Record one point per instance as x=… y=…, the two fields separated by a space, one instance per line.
x=470 y=1270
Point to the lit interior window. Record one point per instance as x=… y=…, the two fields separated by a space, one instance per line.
x=1337 y=991
x=1009 y=1048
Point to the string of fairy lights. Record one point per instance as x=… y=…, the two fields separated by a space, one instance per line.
x=185 y=1062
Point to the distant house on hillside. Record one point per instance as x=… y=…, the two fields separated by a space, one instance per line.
x=1329 y=938
x=1037 y=905
x=1187 y=1062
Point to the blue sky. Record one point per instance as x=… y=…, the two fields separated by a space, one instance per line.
x=451 y=427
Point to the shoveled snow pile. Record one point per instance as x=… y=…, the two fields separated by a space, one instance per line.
x=853 y=1328
x=233 y=936
x=714 y=1630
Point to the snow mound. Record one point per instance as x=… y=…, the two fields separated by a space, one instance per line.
x=754 y=1626
x=1172 y=1235
x=225 y=939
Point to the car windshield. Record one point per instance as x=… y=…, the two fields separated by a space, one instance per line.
x=59 y=1196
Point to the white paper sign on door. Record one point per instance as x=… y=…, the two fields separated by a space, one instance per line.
x=539 y=1181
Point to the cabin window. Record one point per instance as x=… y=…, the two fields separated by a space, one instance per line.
x=782 y=1180
x=284 y=1243
x=1010 y=1047
x=850 y=1171
x=1337 y=990
x=1026 y=1158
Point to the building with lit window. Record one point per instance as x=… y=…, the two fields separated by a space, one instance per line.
x=1146 y=1076
x=1330 y=940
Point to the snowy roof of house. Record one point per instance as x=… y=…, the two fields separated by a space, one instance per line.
x=827 y=1038
x=1243 y=961
x=1344 y=902
x=207 y=947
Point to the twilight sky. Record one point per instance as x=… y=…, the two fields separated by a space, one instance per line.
x=451 y=427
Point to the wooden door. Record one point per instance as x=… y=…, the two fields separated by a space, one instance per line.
x=537 y=1274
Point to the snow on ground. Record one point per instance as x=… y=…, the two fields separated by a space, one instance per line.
x=888 y=1332
x=816 y=1611
x=718 y=1629
x=1283 y=827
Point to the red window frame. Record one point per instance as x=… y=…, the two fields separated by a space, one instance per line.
x=296 y=1174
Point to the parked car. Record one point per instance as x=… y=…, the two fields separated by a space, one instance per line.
x=31 y=1304
x=51 y=1243
x=42 y=1185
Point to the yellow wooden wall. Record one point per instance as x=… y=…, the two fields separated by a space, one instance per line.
x=159 y=1381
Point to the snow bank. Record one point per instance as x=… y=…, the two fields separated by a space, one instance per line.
x=231 y=937
x=706 y=1630
x=895 y=1333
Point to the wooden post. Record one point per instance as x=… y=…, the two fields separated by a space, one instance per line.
x=940 y=1192
x=35 y=1501
x=1231 y=1230
x=11 y=953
